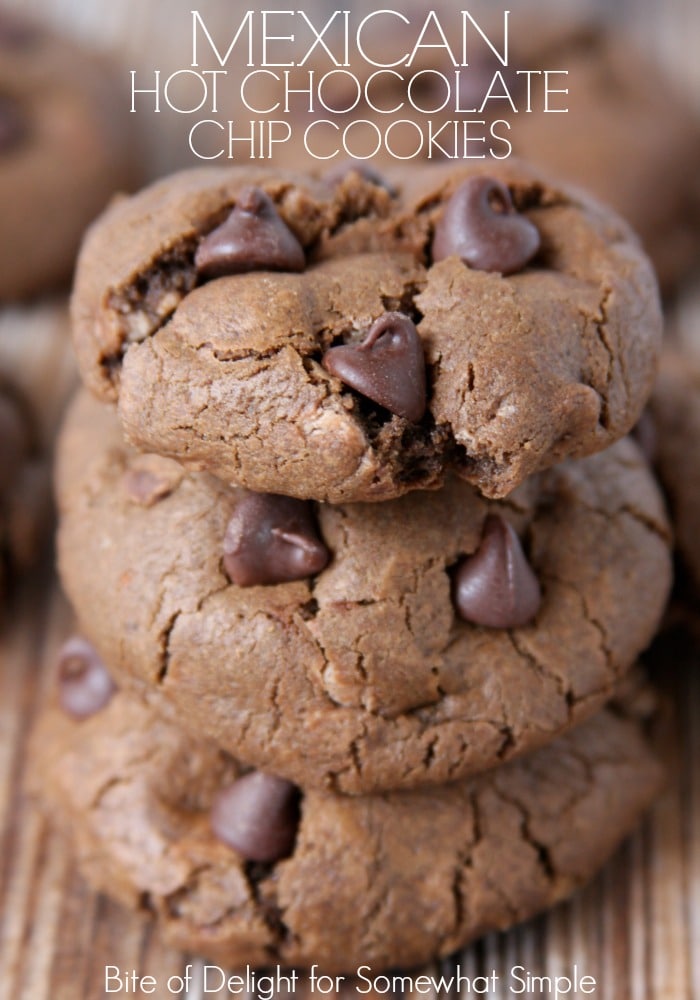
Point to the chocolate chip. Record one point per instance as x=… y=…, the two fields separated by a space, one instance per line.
x=496 y=586
x=388 y=367
x=481 y=226
x=337 y=174
x=13 y=125
x=272 y=539
x=258 y=816
x=253 y=238
x=84 y=686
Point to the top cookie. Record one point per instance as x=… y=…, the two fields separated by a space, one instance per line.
x=66 y=145
x=342 y=341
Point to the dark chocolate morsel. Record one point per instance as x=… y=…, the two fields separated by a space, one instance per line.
x=258 y=816
x=272 y=539
x=253 y=238
x=496 y=586
x=388 y=366
x=13 y=126
x=84 y=686
x=339 y=172
x=481 y=226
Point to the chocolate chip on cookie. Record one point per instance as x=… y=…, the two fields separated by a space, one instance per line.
x=84 y=685
x=257 y=816
x=482 y=227
x=387 y=366
x=271 y=539
x=252 y=238
x=496 y=586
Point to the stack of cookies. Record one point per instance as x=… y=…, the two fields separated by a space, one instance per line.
x=359 y=553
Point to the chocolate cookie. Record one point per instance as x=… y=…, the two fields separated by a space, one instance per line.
x=66 y=145
x=487 y=323
x=416 y=641
x=168 y=823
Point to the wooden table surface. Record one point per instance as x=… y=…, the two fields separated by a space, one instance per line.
x=635 y=929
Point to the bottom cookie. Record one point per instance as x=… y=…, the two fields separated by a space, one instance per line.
x=384 y=880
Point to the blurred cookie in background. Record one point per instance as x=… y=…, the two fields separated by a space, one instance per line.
x=66 y=146
x=37 y=375
x=628 y=136
x=675 y=417
x=36 y=357
x=24 y=493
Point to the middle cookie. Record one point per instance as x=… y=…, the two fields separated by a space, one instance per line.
x=385 y=665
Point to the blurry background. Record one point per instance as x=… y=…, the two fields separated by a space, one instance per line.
x=148 y=34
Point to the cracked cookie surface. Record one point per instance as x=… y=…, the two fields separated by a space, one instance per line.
x=362 y=676
x=66 y=146
x=522 y=370
x=379 y=880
